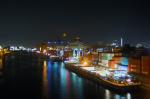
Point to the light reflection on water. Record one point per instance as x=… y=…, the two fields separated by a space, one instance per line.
x=107 y=94
x=45 y=80
x=1 y=66
x=25 y=79
x=128 y=96
x=60 y=83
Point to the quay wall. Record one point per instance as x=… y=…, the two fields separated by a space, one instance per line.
x=94 y=77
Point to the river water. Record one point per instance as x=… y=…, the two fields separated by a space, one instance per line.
x=51 y=80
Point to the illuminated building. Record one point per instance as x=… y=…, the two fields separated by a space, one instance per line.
x=119 y=63
x=113 y=60
x=78 y=48
x=42 y=46
x=140 y=65
x=64 y=48
x=115 y=43
x=145 y=63
x=134 y=65
x=116 y=60
x=104 y=58
x=142 y=44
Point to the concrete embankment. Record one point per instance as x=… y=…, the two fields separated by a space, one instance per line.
x=100 y=80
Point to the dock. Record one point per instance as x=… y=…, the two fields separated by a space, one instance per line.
x=91 y=75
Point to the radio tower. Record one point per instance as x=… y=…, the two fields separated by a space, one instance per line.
x=121 y=41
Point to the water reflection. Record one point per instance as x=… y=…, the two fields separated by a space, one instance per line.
x=25 y=79
x=1 y=66
x=45 y=81
x=59 y=83
x=128 y=96
x=107 y=94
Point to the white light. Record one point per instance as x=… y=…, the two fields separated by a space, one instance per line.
x=34 y=49
x=107 y=94
x=85 y=63
x=128 y=80
x=44 y=51
x=12 y=48
x=38 y=51
x=128 y=96
x=88 y=68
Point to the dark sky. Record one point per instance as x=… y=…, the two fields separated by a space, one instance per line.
x=30 y=22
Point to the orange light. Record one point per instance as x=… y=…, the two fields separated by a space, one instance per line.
x=85 y=63
x=44 y=51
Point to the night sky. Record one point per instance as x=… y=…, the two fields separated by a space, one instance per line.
x=30 y=22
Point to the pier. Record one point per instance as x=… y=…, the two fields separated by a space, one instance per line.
x=90 y=73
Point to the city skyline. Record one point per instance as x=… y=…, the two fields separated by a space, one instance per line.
x=70 y=49
x=32 y=22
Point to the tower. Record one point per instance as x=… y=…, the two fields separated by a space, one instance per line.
x=121 y=42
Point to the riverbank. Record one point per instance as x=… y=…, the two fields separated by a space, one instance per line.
x=91 y=75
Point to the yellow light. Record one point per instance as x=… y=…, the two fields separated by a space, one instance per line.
x=85 y=63
x=40 y=49
x=44 y=63
x=44 y=51
x=64 y=34
x=50 y=48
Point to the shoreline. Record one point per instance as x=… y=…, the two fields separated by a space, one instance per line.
x=96 y=78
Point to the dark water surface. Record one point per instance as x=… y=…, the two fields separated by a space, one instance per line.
x=50 y=80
